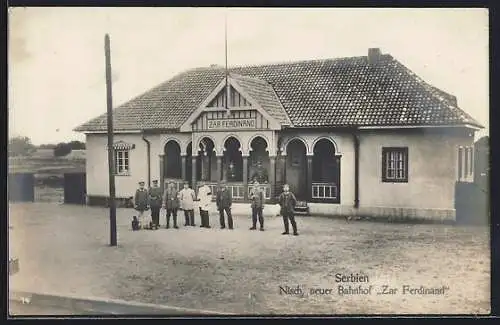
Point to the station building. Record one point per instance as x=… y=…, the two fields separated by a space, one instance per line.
x=351 y=136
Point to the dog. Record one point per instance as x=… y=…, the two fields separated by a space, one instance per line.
x=135 y=224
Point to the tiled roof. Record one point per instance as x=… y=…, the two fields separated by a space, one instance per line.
x=265 y=95
x=317 y=93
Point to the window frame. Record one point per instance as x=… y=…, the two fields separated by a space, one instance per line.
x=116 y=162
x=386 y=151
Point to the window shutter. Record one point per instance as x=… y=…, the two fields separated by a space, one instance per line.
x=384 y=163
x=406 y=157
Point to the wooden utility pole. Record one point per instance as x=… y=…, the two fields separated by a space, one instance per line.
x=111 y=169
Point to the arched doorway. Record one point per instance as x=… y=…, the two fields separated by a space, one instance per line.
x=206 y=168
x=258 y=162
x=325 y=172
x=232 y=161
x=172 y=167
x=296 y=168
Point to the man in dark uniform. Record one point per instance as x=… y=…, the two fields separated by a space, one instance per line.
x=141 y=203
x=287 y=203
x=155 y=198
x=224 y=201
x=171 y=204
x=257 y=197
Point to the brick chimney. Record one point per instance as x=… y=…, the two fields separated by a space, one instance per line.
x=373 y=56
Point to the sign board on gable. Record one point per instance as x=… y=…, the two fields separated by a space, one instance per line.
x=224 y=124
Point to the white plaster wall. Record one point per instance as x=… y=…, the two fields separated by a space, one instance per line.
x=432 y=170
x=97 y=165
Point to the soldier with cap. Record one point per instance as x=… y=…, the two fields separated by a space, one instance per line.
x=224 y=201
x=171 y=204
x=141 y=202
x=287 y=203
x=257 y=205
x=155 y=202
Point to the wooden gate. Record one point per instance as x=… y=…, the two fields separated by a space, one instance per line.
x=21 y=187
x=75 y=189
x=471 y=204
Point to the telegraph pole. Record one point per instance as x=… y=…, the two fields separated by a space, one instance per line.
x=111 y=167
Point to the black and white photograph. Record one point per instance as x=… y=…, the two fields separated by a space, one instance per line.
x=224 y=161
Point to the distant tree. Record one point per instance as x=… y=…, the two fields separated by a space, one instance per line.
x=47 y=146
x=77 y=145
x=21 y=146
x=62 y=149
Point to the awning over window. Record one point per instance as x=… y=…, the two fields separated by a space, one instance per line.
x=121 y=145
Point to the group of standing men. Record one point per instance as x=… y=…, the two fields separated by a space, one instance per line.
x=172 y=201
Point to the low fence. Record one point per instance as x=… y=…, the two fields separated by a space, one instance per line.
x=238 y=189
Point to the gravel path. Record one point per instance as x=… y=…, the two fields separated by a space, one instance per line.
x=64 y=250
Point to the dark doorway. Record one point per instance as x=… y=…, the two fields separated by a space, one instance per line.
x=172 y=161
x=296 y=168
x=258 y=167
x=233 y=161
x=325 y=173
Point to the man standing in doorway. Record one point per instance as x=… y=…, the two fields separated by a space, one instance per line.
x=155 y=198
x=171 y=204
x=141 y=203
x=257 y=197
x=287 y=203
x=224 y=201
x=187 y=198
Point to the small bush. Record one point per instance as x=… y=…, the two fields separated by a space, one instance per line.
x=62 y=149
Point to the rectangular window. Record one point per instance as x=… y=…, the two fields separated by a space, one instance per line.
x=395 y=164
x=122 y=162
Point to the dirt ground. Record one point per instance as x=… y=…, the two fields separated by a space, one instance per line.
x=64 y=250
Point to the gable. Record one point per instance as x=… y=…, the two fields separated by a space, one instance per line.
x=236 y=120
x=243 y=112
x=235 y=99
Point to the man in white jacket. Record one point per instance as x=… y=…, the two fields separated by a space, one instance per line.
x=204 y=198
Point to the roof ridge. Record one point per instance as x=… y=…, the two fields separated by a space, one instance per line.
x=287 y=62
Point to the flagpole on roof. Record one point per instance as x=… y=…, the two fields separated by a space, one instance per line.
x=225 y=53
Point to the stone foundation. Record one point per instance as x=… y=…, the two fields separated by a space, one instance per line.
x=384 y=213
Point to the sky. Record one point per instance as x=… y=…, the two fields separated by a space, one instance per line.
x=56 y=55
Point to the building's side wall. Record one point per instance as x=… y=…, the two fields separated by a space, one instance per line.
x=432 y=170
x=97 y=165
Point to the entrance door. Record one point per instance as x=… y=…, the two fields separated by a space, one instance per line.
x=296 y=169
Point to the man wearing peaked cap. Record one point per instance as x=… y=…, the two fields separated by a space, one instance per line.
x=141 y=202
x=155 y=201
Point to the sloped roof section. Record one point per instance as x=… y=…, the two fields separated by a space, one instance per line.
x=316 y=93
x=264 y=94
